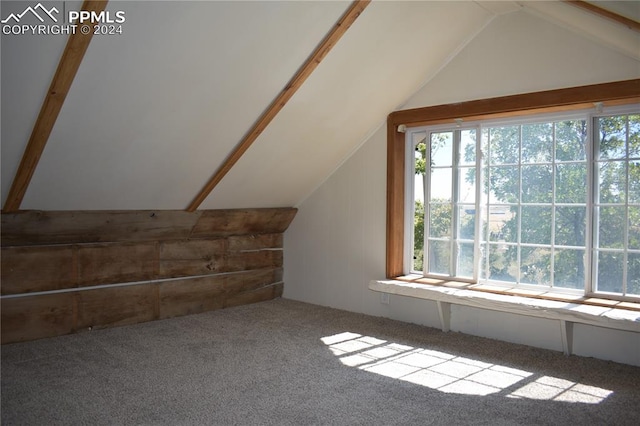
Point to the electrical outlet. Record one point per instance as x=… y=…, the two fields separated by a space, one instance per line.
x=384 y=298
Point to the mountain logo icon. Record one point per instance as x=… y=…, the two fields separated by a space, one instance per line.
x=34 y=11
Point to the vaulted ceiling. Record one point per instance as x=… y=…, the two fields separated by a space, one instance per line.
x=154 y=111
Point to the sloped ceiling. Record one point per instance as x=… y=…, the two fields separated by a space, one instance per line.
x=153 y=112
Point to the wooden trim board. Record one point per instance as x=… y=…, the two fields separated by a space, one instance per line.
x=74 y=51
x=339 y=29
x=605 y=13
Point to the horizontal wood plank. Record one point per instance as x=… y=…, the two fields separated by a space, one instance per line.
x=220 y=223
x=251 y=280
x=191 y=296
x=68 y=227
x=39 y=316
x=522 y=103
x=29 y=269
x=108 y=307
x=244 y=261
x=194 y=257
x=117 y=263
x=36 y=317
x=255 y=242
x=254 y=296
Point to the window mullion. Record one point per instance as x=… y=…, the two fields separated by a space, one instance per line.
x=426 y=184
x=553 y=205
x=625 y=245
x=487 y=235
x=591 y=237
x=519 y=208
x=477 y=258
x=453 y=262
x=426 y=218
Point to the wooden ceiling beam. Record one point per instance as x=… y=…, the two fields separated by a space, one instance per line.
x=68 y=65
x=338 y=30
x=605 y=13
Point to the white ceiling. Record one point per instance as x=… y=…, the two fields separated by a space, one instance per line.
x=153 y=112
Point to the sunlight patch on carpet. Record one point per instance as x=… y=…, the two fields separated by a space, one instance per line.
x=454 y=374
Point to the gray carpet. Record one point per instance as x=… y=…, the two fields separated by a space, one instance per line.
x=289 y=363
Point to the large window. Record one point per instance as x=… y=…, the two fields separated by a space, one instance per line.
x=546 y=201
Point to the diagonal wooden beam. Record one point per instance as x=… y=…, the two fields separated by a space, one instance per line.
x=338 y=30
x=627 y=22
x=67 y=68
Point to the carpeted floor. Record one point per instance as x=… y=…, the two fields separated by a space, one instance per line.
x=289 y=363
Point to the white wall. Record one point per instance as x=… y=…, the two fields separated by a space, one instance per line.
x=336 y=243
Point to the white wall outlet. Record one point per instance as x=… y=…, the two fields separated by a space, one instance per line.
x=384 y=298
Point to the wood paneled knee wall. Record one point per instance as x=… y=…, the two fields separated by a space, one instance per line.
x=66 y=272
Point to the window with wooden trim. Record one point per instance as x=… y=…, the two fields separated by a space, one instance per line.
x=534 y=200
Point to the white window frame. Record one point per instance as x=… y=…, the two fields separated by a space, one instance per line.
x=410 y=189
x=590 y=272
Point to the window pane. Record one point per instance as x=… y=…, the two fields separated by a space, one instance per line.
x=634 y=182
x=418 y=236
x=537 y=143
x=535 y=265
x=633 y=274
x=571 y=140
x=484 y=253
x=440 y=220
x=419 y=165
x=465 y=260
x=571 y=183
x=442 y=149
x=613 y=134
x=634 y=136
x=505 y=185
x=536 y=225
x=466 y=222
x=611 y=227
x=502 y=262
x=441 y=184
x=439 y=256
x=613 y=178
x=467 y=185
x=468 y=147
x=610 y=271
x=504 y=143
x=503 y=223
x=536 y=184
x=568 y=268
x=570 y=226
x=634 y=228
